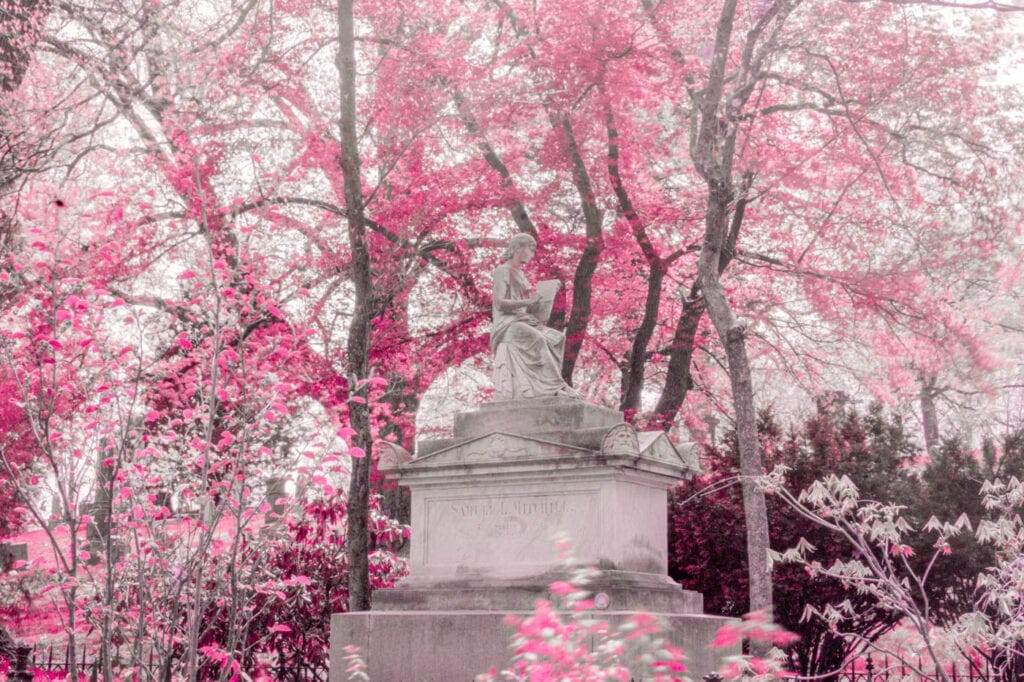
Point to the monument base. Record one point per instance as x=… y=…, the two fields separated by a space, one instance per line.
x=456 y=646
x=487 y=506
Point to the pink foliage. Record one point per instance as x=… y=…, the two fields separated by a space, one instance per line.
x=174 y=287
x=572 y=643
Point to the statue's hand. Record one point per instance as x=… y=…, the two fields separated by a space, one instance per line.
x=529 y=319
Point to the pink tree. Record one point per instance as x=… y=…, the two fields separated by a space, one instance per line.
x=282 y=254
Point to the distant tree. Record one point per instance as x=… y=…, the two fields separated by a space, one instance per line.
x=17 y=452
x=707 y=532
x=895 y=563
x=19 y=154
x=309 y=556
x=875 y=452
x=7 y=645
x=951 y=486
x=954 y=485
x=1006 y=458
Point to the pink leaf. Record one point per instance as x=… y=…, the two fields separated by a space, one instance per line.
x=727 y=635
x=561 y=587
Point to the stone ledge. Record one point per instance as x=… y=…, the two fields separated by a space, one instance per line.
x=623 y=590
x=620 y=447
x=589 y=439
x=538 y=415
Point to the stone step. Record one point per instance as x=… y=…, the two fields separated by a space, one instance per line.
x=529 y=417
x=614 y=590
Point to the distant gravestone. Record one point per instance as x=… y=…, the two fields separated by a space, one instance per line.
x=277 y=497
x=8 y=647
x=11 y=552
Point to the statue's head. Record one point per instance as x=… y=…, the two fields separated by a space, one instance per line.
x=517 y=242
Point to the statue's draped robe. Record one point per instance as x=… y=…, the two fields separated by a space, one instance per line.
x=527 y=353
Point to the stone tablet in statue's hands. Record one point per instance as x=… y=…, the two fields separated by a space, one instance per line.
x=545 y=295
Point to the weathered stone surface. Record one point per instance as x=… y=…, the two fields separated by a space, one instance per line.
x=391 y=455
x=620 y=590
x=563 y=421
x=490 y=507
x=487 y=506
x=443 y=646
x=503 y=525
x=494 y=452
x=538 y=415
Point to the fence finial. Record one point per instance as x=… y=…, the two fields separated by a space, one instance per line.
x=21 y=672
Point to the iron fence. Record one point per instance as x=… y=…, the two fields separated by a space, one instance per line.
x=53 y=663
x=37 y=666
x=883 y=669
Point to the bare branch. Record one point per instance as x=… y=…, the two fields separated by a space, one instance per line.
x=983 y=5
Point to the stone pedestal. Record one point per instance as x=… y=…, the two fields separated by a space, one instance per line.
x=487 y=505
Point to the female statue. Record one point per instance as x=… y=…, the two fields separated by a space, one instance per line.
x=527 y=353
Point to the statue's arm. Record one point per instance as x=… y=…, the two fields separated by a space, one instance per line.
x=501 y=290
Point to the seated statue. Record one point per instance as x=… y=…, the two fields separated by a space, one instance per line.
x=527 y=353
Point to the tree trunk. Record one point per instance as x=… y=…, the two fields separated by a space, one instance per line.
x=713 y=154
x=513 y=203
x=357 y=356
x=582 y=290
x=636 y=361
x=733 y=336
x=929 y=416
x=678 y=380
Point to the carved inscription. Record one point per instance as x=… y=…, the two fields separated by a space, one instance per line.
x=502 y=529
x=507 y=507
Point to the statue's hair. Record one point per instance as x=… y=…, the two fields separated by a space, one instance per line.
x=520 y=240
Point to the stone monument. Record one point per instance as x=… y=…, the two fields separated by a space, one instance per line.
x=486 y=505
x=488 y=502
